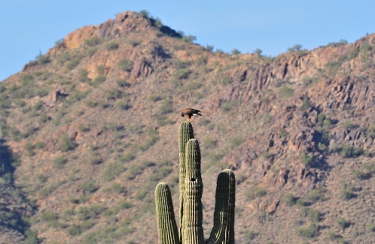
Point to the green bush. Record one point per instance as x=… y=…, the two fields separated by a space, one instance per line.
x=332 y=68
x=115 y=188
x=347 y=192
x=112 y=45
x=209 y=142
x=89 y=186
x=191 y=86
x=98 y=80
x=72 y=64
x=306 y=160
x=112 y=171
x=60 y=161
x=66 y=144
x=371 y=131
x=254 y=193
x=229 y=105
x=48 y=216
x=78 y=229
x=166 y=107
x=309 y=231
x=125 y=65
x=286 y=91
x=342 y=223
x=122 y=83
x=289 y=199
x=123 y=104
x=370 y=227
x=86 y=213
x=93 y=41
x=349 y=151
x=135 y=43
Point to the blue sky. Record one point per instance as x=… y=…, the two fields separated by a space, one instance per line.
x=32 y=26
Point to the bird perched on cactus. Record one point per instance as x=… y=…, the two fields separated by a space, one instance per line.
x=190 y=112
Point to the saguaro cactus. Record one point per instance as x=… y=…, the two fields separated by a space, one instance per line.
x=191 y=189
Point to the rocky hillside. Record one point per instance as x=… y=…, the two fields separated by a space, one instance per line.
x=90 y=128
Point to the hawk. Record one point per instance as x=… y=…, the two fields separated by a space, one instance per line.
x=189 y=112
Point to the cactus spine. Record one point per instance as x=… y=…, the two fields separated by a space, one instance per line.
x=191 y=190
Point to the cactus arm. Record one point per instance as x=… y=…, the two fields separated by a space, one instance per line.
x=192 y=222
x=229 y=239
x=221 y=209
x=185 y=133
x=166 y=223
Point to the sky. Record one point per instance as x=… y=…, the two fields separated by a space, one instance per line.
x=30 y=27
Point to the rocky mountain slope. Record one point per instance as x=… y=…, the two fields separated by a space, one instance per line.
x=90 y=128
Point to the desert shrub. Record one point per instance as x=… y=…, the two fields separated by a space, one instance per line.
x=113 y=94
x=229 y=105
x=309 y=231
x=342 y=223
x=72 y=64
x=332 y=236
x=93 y=41
x=307 y=81
x=235 y=51
x=332 y=68
x=111 y=45
x=209 y=142
x=125 y=65
x=83 y=76
x=286 y=91
x=89 y=186
x=358 y=174
x=166 y=107
x=29 y=147
x=306 y=160
x=283 y=133
x=180 y=74
x=254 y=193
x=115 y=188
x=322 y=146
x=189 y=38
x=136 y=169
x=154 y=98
x=313 y=215
x=91 y=103
x=112 y=171
x=98 y=80
x=66 y=144
x=370 y=227
x=349 y=151
x=60 y=161
x=306 y=104
x=191 y=86
x=226 y=80
x=122 y=83
x=347 y=192
x=32 y=237
x=371 y=131
x=289 y=199
x=42 y=59
x=127 y=157
x=48 y=216
x=39 y=145
x=86 y=213
x=317 y=195
x=123 y=104
x=78 y=229
x=135 y=43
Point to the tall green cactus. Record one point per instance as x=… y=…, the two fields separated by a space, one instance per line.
x=191 y=189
